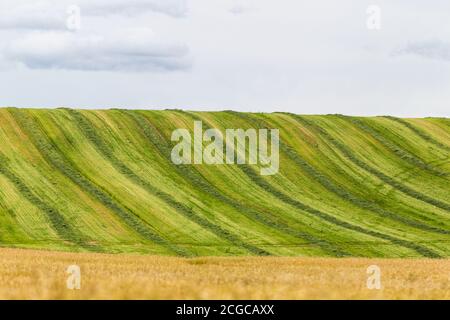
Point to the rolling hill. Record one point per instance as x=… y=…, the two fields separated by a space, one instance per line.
x=103 y=181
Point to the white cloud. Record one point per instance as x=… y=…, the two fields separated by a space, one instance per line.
x=52 y=14
x=40 y=15
x=297 y=56
x=35 y=35
x=240 y=9
x=174 y=8
x=121 y=50
x=431 y=49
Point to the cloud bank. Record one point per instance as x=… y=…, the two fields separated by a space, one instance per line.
x=127 y=50
x=174 y=8
x=249 y=55
x=431 y=49
x=51 y=14
x=32 y=16
x=37 y=36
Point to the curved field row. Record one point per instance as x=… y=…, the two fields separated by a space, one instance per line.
x=103 y=181
x=421 y=133
x=323 y=180
x=57 y=159
x=89 y=131
x=57 y=221
x=395 y=148
x=264 y=219
x=349 y=155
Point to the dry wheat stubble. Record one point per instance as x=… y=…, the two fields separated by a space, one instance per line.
x=30 y=274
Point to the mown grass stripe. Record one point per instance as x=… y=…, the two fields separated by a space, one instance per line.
x=333 y=220
x=363 y=165
x=57 y=221
x=199 y=182
x=394 y=148
x=331 y=187
x=348 y=196
x=283 y=203
x=89 y=131
x=56 y=158
x=255 y=177
x=425 y=136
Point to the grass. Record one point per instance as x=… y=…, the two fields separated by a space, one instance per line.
x=395 y=148
x=102 y=181
x=90 y=133
x=56 y=158
x=358 y=162
x=342 y=193
x=28 y=274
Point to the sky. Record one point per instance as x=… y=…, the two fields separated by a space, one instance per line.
x=351 y=57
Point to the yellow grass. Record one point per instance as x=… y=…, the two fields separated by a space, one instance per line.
x=28 y=274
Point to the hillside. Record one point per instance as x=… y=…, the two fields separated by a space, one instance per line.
x=103 y=181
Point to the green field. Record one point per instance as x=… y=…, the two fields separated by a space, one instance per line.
x=103 y=181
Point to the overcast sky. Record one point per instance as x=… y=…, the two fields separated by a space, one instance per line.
x=307 y=57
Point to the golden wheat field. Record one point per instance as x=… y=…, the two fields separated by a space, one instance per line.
x=32 y=274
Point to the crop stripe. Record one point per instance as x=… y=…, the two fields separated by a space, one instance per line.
x=330 y=186
x=57 y=221
x=425 y=136
x=198 y=181
x=394 y=148
x=56 y=159
x=87 y=128
x=362 y=203
x=363 y=165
